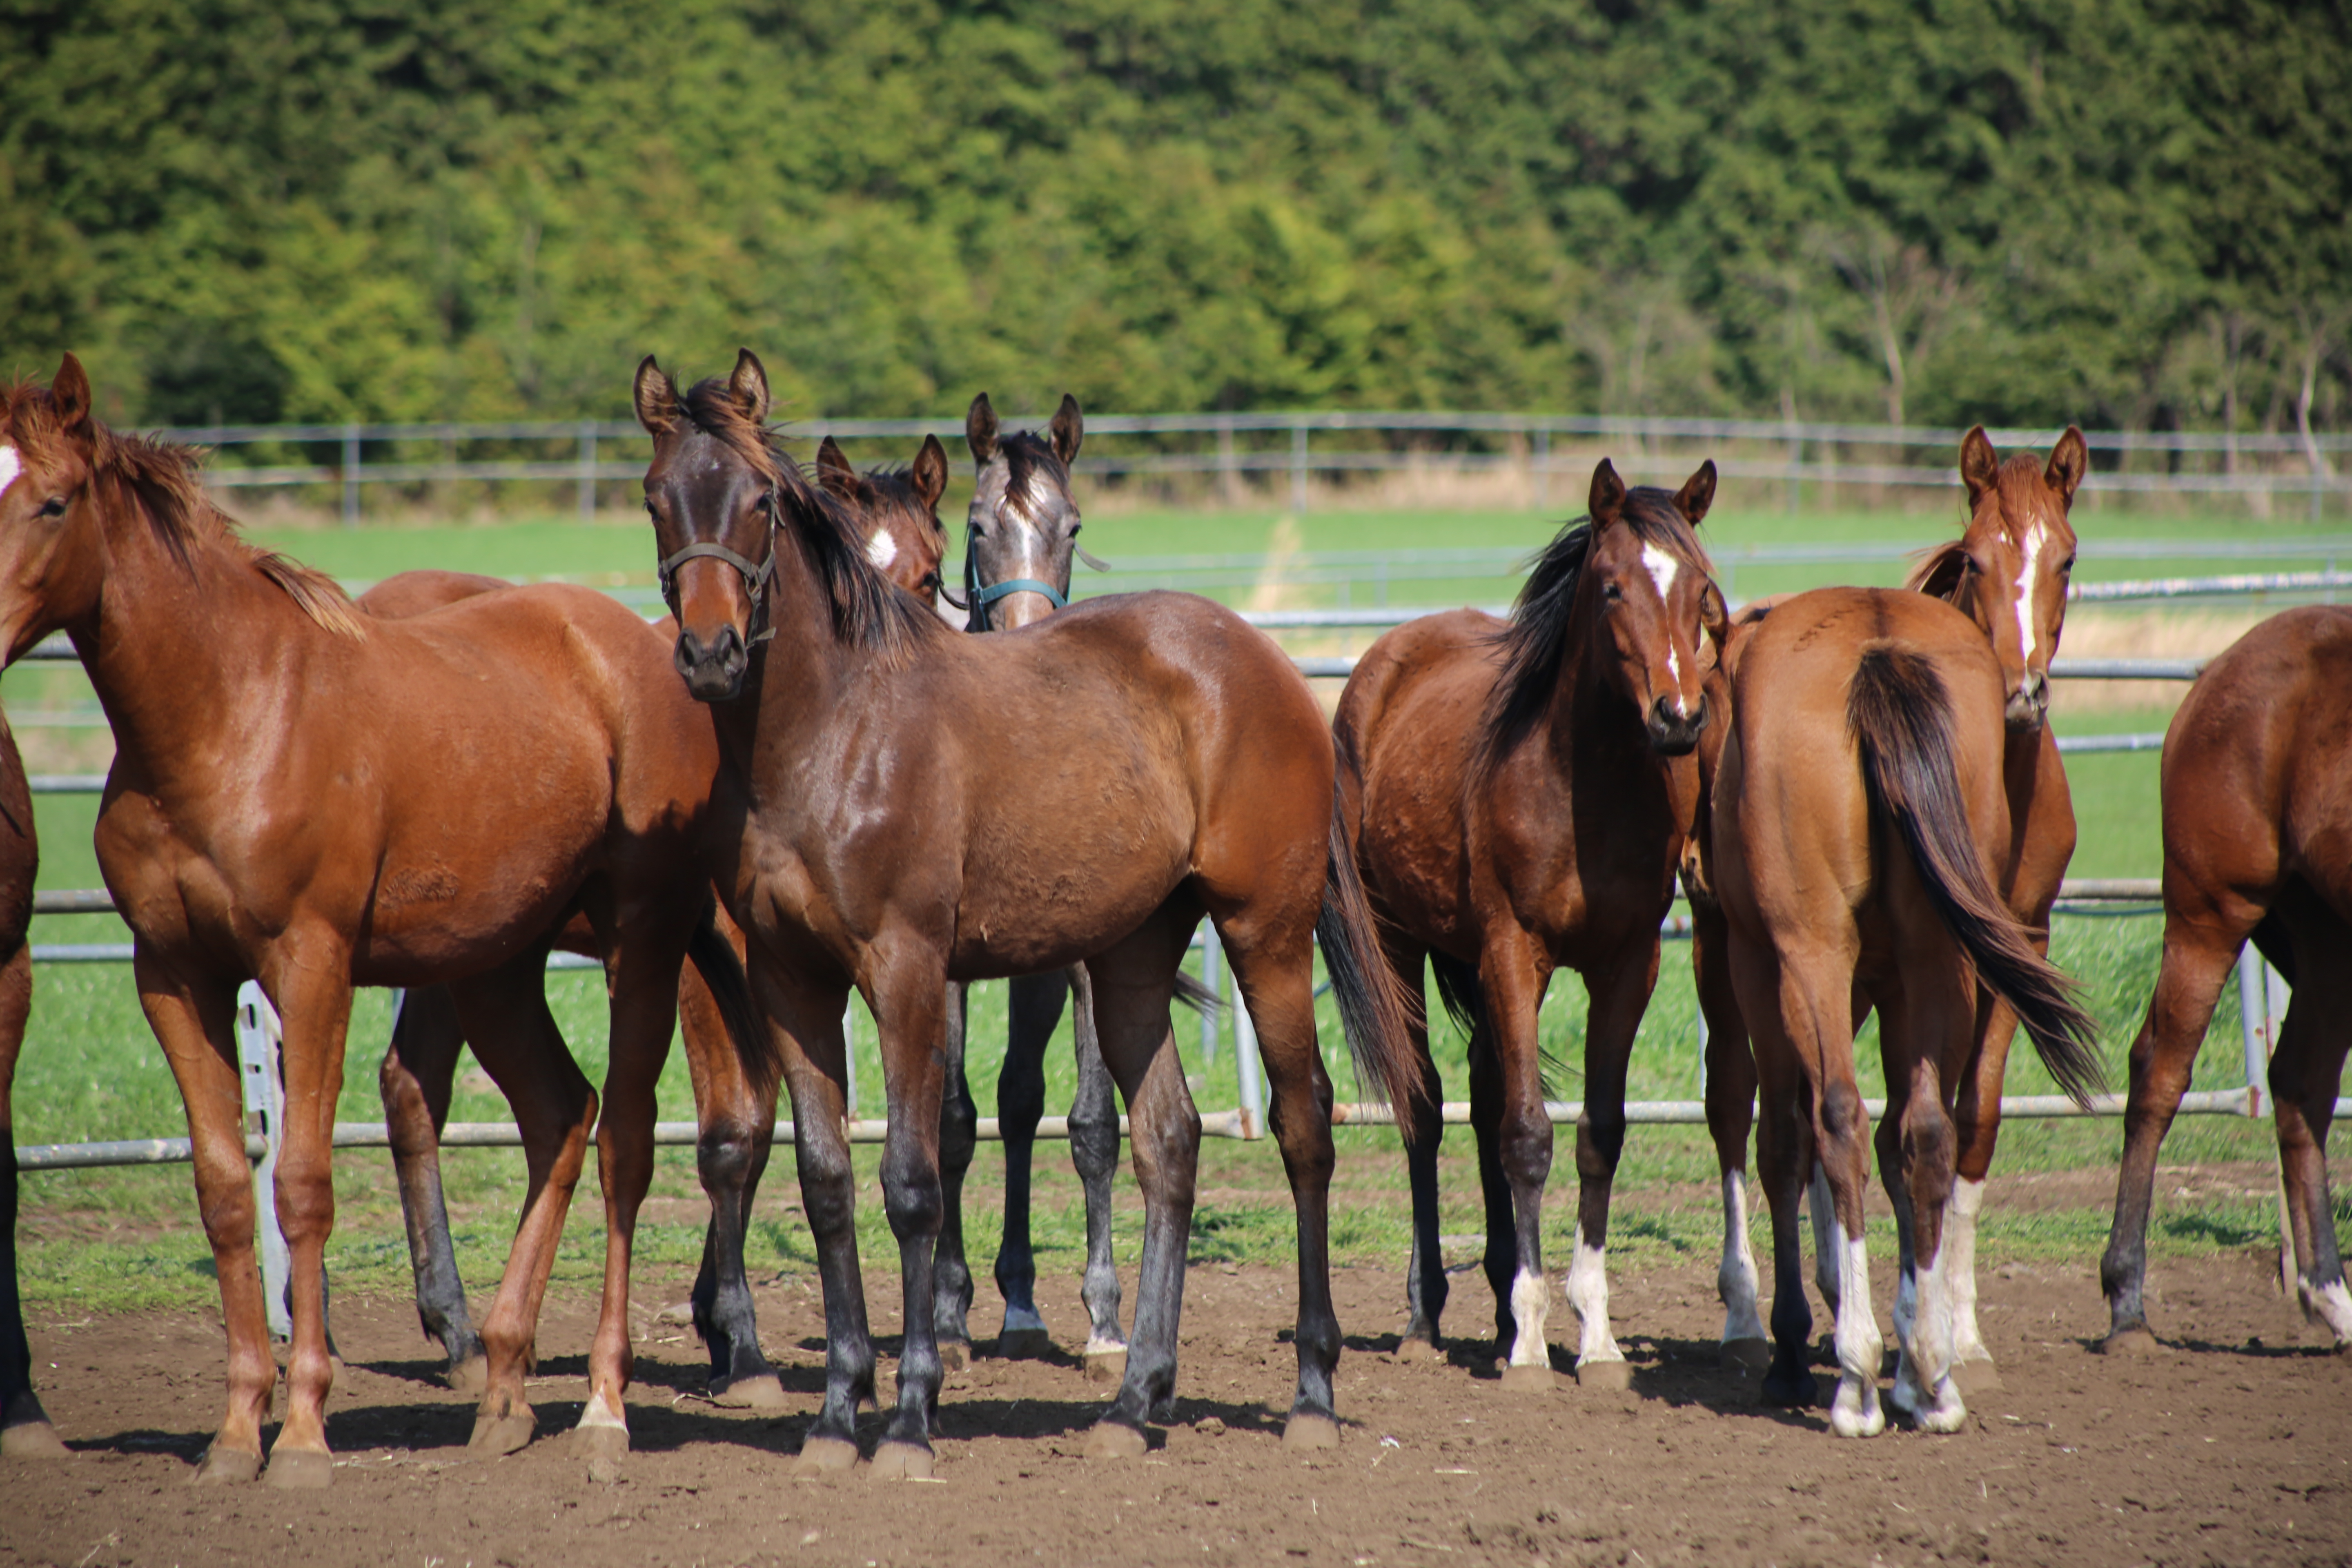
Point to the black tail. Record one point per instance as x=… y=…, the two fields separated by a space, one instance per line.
x=1374 y=1009
x=715 y=960
x=1197 y=996
x=1902 y=718
x=1459 y=988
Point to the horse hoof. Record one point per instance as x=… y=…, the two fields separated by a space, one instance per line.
x=954 y=1354
x=1116 y=1440
x=226 y=1467
x=1305 y=1429
x=33 y=1440
x=2130 y=1341
x=1975 y=1377
x=1107 y=1366
x=902 y=1462
x=495 y=1435
x=1609 y=1376
x=299 y=1469
x=824 y=1456
x=1746 y=1355
x=604 y=1441
x=1414 y=1349
x=763 y=1391
x=471 y=1376
x=1530 y=1379
x=1024 y=1345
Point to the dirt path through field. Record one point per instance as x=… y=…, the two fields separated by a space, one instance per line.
x=2234 y=1446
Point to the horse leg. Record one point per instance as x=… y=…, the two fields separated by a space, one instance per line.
x=1034 y=1006
x=1730 y=1107
x=1500 y=1261
x=419 y=1062
x=504 y=1013
x=2198 y=958
x=1512 y=973
x=1619 y=998
x=1133 y=983
x=1977 y=1122
x=908 y=997
x=1822 y=1207
x=2306 y=1073
x=25 y=1429
x=1784 y=1153
x=959 y=1140
x=1842 y=1135
x=194 y=1022
x=803 y=1020
x=1424 y=1281
x=1094 y=1150
x=308 y=977
x=738 y=1126
x=1927 y=1020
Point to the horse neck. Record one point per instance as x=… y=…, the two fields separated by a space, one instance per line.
x=174 y=652
x=810 y=665
x=1587 y=718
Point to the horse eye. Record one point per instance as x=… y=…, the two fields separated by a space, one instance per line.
x=54 y=506
x=1612 y=591
x=2067 y=565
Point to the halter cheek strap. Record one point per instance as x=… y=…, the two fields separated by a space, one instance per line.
x=978 y=597
x=755 y=575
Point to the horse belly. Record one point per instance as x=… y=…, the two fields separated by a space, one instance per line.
x=1031 y=918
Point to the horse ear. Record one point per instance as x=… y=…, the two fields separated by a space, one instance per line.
x=1697 y=493
x=930 y=472
x=70 y=396
x=656 y=398
x=1939 y=576
x=749 y=387
x=1979 y=464
x=2070 y=459
x=833 y=469
x=1069 y=428
x=980 y=430
x=1608 y=501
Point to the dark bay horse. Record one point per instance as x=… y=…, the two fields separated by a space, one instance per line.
x=737 y=1115
x=1518 y=796
x=916 y=807
x=309 y=797
x=2257 y=787
x=1859 y=819
x=25 y=1429
x=2008 y=572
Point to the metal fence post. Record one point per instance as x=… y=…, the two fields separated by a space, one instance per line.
x=1209 y=982
x=1246 y=1066
x=2261 y=1008
x=1298 y=467
x=849 y=1057
x=257 y=1038
x=1229 y=472
x=587 y=470
x=1541 y=468
x=351 y=476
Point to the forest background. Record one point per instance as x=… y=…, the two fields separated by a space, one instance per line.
x=2128 y=212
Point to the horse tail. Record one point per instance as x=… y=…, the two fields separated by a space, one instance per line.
x=722 y=968
x=1901 y=716
x=1375 y=1010
x=1459 y=987
x=1197 y=996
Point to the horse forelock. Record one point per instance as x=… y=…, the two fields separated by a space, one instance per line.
x=1034 y=473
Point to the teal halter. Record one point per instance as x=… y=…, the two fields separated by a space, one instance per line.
x=978 y=598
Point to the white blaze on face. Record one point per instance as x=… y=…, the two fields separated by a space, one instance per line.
x=2028 y=624
x=882 y=549
x=10 y=466
x=1663 y=568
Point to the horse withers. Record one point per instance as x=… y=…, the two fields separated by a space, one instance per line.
x=1517 y=795
x=1859 y=815
x=404 y=803
x=2257 y=791
x=916 y=807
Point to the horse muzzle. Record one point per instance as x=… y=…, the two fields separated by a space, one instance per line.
x=2029 y=705
x=1673 y=734
x=713 y=671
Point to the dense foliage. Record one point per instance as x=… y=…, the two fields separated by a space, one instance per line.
x=2122 y=211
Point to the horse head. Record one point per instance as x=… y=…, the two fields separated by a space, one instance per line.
x=1652 y=600
x=52 y=559
x=2010 y=570
x=901 y=511
x=1023 y=525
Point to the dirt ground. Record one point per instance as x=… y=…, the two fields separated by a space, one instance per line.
x=2232 y=1447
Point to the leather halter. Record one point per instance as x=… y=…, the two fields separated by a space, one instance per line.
x=755 y=574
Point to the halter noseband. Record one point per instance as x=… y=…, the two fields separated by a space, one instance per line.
x=755 y=574
x=977 y=598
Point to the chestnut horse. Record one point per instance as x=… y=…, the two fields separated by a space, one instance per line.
x=25 y=1429
x=738 y=1116
x=1859 y=819
x=317 y=800
x=1518 y=796
x=2257 y=808
x=2008 y=572
x=916 y=807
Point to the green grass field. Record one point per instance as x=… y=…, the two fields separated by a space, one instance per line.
x=90 y=1069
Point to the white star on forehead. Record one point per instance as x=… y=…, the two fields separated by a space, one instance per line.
x=882 y=549
x=1663 y=568
x=10 y=466
x=2031 y=547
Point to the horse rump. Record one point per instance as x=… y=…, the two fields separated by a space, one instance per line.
x=1901 y=718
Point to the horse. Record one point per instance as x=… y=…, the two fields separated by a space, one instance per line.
x=1859 y=818
x=1517 y=796
x=317 y=800
x=2008 y=572
x=916 y=807
x=2255 y=813
x=738 y=1116
x=25 y=1429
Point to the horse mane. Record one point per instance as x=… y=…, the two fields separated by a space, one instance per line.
x=1535 y=643
x=869 y=611
x=164 y=480
x=897 y=485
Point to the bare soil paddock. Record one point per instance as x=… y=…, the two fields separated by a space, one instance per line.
x=2233 y=1447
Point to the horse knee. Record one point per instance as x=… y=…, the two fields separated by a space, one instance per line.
x=723 y=1155
x=913 y=1200
x=1599 y=1144
x=828 y=1191
x=1842 y=1114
